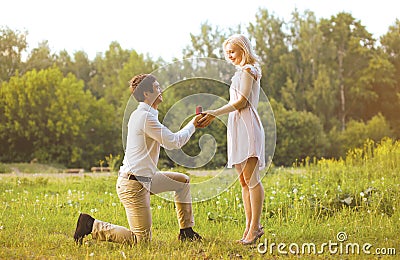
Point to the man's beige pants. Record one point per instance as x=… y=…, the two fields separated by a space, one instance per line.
x=135 y=197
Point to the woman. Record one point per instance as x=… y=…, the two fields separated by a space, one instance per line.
x=246 y=143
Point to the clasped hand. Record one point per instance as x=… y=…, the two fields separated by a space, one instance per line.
x=204 y=119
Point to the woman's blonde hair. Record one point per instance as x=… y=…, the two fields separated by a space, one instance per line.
x=249 y=56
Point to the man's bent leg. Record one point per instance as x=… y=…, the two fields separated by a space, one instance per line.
x=104 y=231
x=178 y=182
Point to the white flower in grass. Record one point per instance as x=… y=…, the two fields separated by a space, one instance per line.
x=365 y=199
x=362 y=194
x=271 y=198
x=159 y=206
x=295 y=191
x=301 y=197
x=273 y=192
x=93 y=210
x=113 y=204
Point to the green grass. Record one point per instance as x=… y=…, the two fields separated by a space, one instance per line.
x=30 y=168
x=311 y=203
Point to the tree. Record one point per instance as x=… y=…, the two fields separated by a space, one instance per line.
x=12 y=45
x=40 y=57
x=353 y=50
x=106 y=69
x=270 y=47
x=390 y=94
x=207 y=44
x=50 y=117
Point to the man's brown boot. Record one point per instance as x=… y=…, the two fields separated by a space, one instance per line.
x=83 y=227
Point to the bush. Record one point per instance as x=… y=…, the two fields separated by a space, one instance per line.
x=357 y=132
x=299 y=135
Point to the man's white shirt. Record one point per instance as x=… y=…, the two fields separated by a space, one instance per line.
x=145 y=135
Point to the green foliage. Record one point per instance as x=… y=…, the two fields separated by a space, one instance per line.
x=114 y=162
x=299 y=135
x=47 y=116
x=357 y=132
x=12 y=45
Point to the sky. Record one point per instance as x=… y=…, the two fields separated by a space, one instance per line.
x=162 y=28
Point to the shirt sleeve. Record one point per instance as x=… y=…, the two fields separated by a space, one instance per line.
x=169 y=140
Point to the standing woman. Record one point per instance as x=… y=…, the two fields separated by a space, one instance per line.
x=245 y=133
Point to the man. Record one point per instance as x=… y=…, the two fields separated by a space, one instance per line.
x=139 y=177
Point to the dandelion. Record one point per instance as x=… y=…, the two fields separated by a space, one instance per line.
x=113 y=204
x=271 y=198
x=365 y=199
x=91 y=254
x=295 y=190
x=273 y=192
x=362 y=194
x=93 y=210
x=315 y=195
x=159 y=206
x=301 y=197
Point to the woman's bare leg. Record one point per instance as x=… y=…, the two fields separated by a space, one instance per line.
x=245 y=198
x=251 y=177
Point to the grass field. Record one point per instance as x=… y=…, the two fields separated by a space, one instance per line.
x=351 y=202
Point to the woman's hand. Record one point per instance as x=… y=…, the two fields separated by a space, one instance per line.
x=208 y=117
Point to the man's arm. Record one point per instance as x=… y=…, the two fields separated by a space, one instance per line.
x=168 y=139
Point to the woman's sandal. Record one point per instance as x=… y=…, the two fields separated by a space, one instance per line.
x=259 y=234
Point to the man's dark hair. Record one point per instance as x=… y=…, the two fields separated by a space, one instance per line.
x=141 y=83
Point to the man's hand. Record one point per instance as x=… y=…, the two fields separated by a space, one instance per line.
x=208 y=117
x=197 y=119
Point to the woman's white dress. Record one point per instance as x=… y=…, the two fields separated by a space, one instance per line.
x=245 y=132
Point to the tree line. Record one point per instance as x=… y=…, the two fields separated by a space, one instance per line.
x=330 y=83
